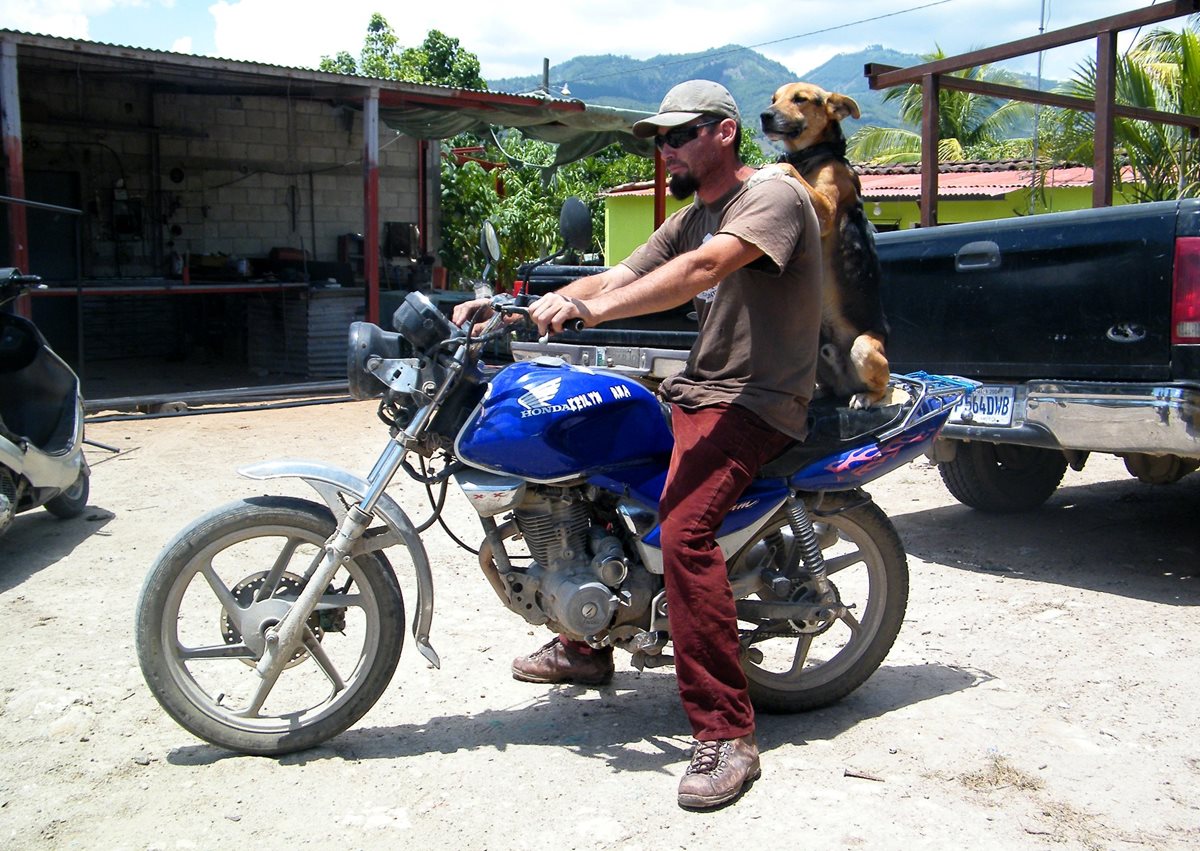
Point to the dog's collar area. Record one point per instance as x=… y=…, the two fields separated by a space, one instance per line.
x=823 y=151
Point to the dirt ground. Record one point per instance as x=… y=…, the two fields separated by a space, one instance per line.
x=1039 y=696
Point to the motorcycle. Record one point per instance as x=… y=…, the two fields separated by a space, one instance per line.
x=41 y=418
x=273 y=623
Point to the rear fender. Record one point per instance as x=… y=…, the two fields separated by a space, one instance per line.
x=331 y=484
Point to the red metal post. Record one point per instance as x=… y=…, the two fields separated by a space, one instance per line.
x=929 y=150
x=1106 y=86
x=371 y=201
x=10 y=127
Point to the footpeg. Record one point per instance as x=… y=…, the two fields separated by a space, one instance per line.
x=648 y=650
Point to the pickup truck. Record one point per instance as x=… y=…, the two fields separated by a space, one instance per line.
x=1082 y=327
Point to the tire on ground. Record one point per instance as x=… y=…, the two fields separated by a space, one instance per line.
x=1002 y=478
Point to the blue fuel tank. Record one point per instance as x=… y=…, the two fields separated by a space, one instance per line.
x=548 y=421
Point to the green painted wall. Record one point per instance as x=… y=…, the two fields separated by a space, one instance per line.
x=628 y=222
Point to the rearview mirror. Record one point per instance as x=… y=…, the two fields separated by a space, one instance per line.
x=575 y=224
x=489 y=243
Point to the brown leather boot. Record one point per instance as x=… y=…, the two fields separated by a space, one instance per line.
x=720 y=770
x=559 y=663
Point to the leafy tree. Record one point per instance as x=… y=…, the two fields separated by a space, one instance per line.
x=522 y=199
x=970 y=126
x=440 y=59
x=1161 y=71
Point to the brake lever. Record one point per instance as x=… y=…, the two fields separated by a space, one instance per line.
x=575 y=325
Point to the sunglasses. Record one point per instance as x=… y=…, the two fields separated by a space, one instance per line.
x=680 y=136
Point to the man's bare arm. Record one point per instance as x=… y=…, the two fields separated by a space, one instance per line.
x=586 y=287
x=674 y=283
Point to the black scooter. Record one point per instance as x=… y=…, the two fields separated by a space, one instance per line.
x=41 y=418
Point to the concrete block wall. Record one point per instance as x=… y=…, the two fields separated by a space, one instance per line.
x=210 y=174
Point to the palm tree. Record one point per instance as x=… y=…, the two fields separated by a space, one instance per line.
x=1162 y=72
x=970 y=126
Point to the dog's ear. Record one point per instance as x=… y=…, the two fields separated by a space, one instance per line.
x=841 y=106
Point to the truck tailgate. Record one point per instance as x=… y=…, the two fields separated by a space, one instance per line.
x=1077 y=295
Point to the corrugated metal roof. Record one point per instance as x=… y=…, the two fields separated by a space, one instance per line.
x=166 y=65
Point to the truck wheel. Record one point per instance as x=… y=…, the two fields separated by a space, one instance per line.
x=1002 y=477
x=1159 y=469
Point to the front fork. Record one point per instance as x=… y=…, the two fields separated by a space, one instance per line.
x=285 y=638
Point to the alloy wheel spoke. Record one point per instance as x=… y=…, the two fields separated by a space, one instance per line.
x=833 y=565
x=271 y=581
x=340 y=601
x=224 y=597
x=323 y=661
x=803 y=645
x=848 y=618
x=216 y=651
x=260 y=695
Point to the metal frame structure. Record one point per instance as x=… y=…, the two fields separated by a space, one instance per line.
x=933 y=76
x=194 y=74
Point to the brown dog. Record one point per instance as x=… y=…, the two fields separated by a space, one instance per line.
x=807 y=120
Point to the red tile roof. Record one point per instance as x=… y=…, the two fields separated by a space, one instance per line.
x=967 y=179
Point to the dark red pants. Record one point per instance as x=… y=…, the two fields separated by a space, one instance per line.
x=718 y=449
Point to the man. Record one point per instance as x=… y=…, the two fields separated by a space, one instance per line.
x=748 y=252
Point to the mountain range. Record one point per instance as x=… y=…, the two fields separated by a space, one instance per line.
x=751 y=78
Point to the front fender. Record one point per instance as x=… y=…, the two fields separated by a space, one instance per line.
x=330 y=483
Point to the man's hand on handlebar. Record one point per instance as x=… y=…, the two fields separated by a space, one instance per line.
x=479 y=310
x=553 y=312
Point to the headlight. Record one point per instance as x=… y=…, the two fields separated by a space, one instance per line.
x=368 y=341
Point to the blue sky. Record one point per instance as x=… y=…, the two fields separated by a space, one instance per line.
x=512 y=38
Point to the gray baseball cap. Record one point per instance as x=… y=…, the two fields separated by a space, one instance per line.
x=687 y=101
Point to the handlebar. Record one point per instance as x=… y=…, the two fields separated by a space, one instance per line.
x=13 y=284
x=12 y=275
x=503 y=306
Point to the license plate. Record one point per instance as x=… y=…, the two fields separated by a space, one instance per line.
x=985 y=406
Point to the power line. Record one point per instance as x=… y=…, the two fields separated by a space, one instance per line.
x=708 y=56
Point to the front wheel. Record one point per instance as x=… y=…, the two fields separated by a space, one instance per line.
x=71 y=502
x=795 y=667
x=217 y=588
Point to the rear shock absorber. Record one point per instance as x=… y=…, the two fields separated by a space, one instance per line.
x=805 y=543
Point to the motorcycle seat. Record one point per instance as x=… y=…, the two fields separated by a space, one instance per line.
x=833 y=426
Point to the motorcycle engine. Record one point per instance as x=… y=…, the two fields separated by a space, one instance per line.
x=569 y=584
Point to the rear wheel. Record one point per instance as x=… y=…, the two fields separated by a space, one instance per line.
x=221 y=584
x=1002 y=478
x=809 y=665
x=1159 y=469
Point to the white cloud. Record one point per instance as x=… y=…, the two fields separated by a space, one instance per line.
x=47 y=17
x=514 y=42
x=295 y=34
x=182 y=45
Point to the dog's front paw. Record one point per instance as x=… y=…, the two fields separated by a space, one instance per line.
x=860 y=400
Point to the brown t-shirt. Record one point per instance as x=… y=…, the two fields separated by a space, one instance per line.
x=757 y=345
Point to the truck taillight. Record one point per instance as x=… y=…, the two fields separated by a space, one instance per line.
x=1185 y=305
